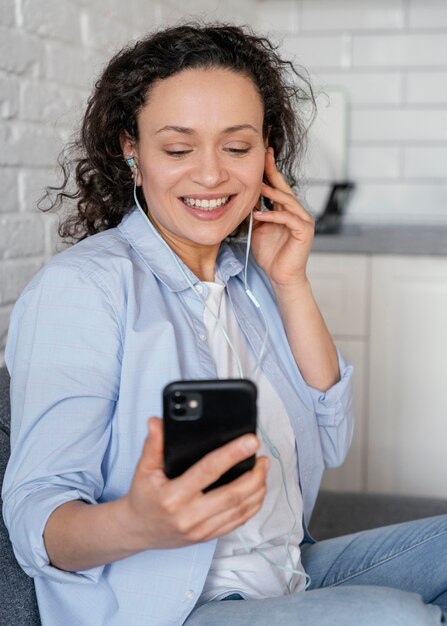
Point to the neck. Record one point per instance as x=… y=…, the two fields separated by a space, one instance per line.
x=201 y=260
x=204 y=267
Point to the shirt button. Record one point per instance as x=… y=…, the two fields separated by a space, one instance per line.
x=202 y=337
x=189 y=595
x=199 y=288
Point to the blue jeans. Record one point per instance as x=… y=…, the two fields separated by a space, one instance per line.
x=390 y=576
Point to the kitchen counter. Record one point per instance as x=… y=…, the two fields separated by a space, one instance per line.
x=385 y=239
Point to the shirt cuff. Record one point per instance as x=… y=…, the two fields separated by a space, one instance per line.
x=26 y=534
x=333 y=405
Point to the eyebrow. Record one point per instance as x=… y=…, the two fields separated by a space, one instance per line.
x=190 y=131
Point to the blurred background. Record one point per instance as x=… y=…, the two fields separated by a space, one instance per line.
x=379 y=268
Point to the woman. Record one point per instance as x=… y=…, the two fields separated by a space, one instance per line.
x=188 y=123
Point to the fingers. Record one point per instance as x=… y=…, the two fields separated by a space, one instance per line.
x=213 y=465
x=286 y=199
x=228 y=506
x=273 y=174
x=228 y=521
x=300 y=229
x=173 y=513
x=152 y=453
x=280 y=191
x=231 y=495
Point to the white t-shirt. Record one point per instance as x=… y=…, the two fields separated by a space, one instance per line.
x=232 y=568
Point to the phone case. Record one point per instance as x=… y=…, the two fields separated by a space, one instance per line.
x=202 y=415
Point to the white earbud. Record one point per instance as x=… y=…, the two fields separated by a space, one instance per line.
x=130 y=160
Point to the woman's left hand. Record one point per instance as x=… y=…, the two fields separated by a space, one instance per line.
x=282 y=238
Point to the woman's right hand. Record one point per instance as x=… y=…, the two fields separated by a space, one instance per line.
x=164 y=513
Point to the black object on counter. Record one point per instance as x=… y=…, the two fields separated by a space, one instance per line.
x=329 y=222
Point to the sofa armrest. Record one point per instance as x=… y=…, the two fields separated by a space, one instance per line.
x=338 y=514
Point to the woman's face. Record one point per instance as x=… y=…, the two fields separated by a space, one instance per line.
x=200 y=155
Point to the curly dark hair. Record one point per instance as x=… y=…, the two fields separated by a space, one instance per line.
x=102 y=180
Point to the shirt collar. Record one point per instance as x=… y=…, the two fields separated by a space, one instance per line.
x=159 y=258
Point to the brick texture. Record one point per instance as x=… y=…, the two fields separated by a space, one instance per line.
x=390 y=59
x=51 y=52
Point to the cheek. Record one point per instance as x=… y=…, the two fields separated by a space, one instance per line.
x=252 y=180
x=255 y=177
x=160 y=185
x=251 y=174
x=160 y=177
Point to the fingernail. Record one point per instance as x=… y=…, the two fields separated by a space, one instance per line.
x=249 y=444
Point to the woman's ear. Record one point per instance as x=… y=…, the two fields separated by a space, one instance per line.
x=127 y=143
x=267 y=139
x=129 y=148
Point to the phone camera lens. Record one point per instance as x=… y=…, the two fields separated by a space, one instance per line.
x=179 y=397
x=179 y=410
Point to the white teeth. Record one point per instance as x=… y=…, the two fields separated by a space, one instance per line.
x=207 y=204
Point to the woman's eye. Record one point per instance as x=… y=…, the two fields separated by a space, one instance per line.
x=238 y=150
x=182 y=153
x=177 y=153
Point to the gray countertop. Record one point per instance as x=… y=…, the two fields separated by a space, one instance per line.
x=385 y=239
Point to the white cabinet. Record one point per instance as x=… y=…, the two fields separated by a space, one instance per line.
x=407 y=424
x=388 y=315
x=340 y=284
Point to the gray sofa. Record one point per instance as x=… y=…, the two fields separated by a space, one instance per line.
x=18 y=605
x=335 y=514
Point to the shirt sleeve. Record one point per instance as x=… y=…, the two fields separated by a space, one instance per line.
x=335 y=417
x=63 y=353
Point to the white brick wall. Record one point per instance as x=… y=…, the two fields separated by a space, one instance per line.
x=50 y=53
x=390 y=56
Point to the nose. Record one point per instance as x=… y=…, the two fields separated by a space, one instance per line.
x=210 y=170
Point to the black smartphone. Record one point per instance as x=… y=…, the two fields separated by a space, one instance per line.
x=202 y=415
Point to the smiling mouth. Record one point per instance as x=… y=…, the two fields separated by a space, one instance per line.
x=207 y=205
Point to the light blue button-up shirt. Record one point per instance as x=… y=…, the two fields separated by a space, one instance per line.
x=93 y=340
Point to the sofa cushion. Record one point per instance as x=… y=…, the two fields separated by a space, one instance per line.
x=338 y=514
x=18 y=604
